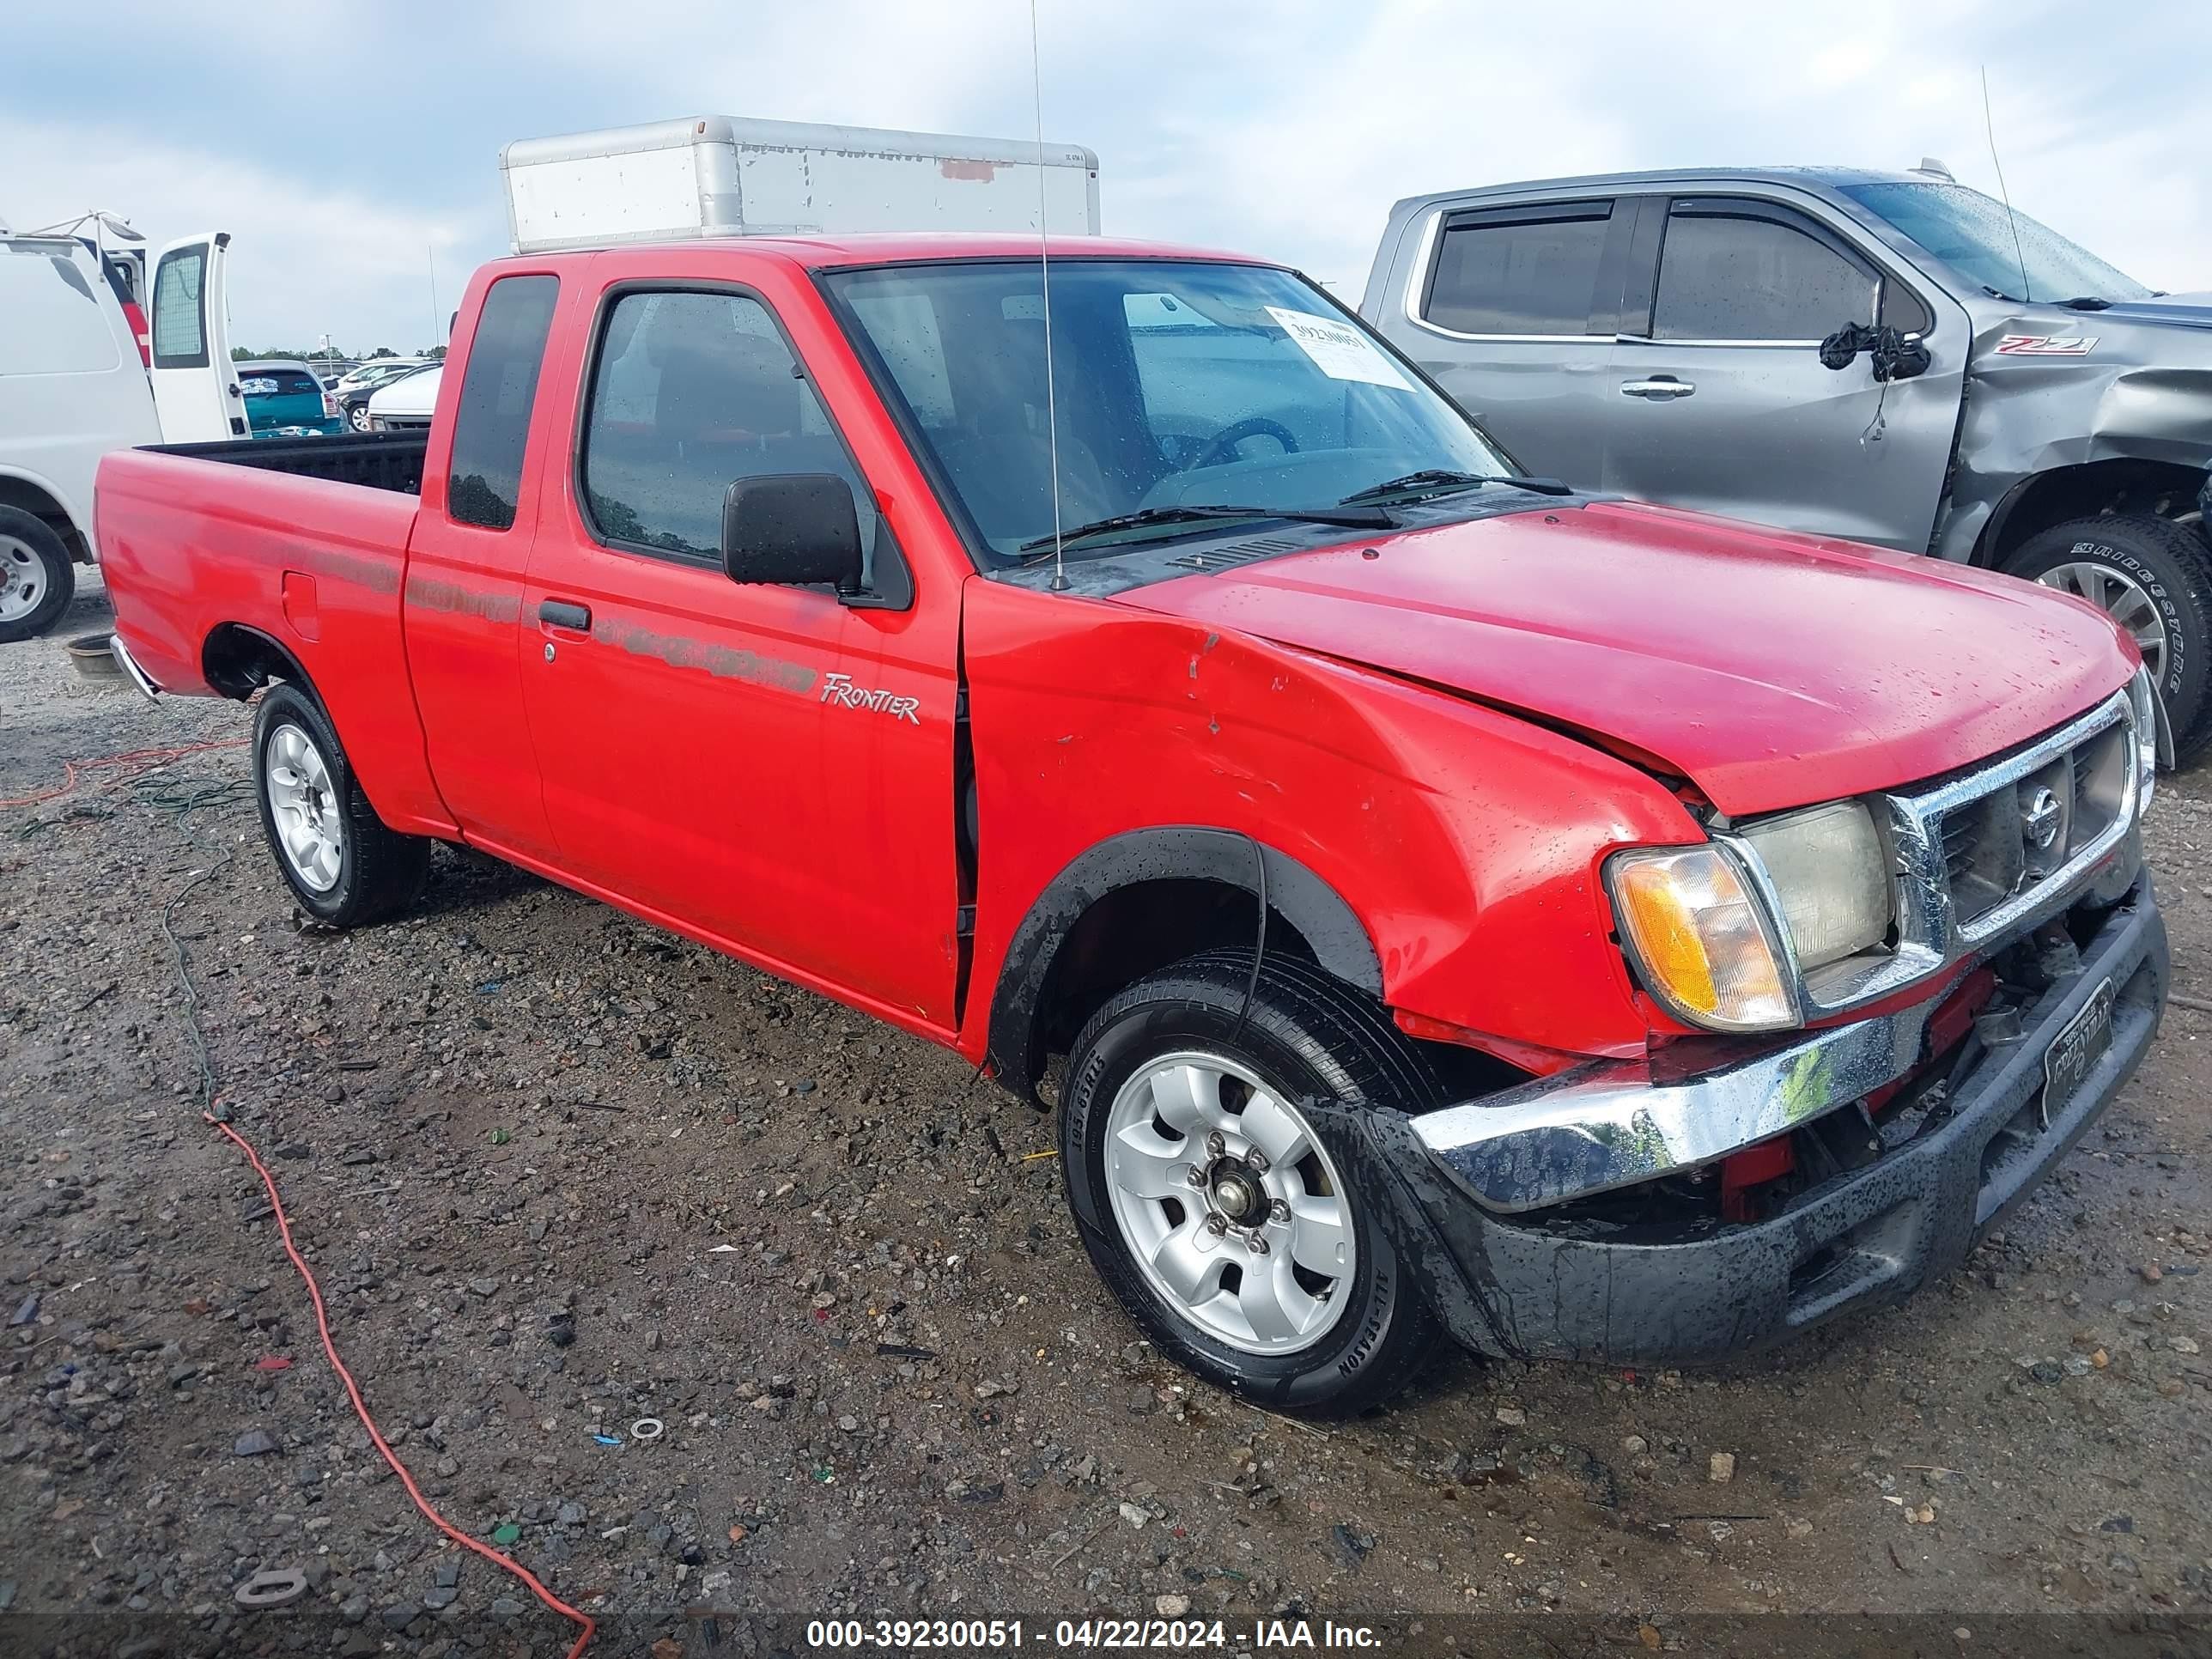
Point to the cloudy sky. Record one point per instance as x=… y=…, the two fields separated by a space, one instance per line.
x=350 y=144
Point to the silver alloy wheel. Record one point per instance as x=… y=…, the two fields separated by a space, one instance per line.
x=357 y=417
x=2121 y=597
x=22 y=579
x=1229 y=1204
x=302 y=805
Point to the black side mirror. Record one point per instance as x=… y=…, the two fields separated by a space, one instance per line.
x=796 y=529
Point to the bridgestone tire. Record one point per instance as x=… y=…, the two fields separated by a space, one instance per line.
x=381 y=871
x=2174 y=567
x=1307 y=1037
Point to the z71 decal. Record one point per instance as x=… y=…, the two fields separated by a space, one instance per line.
x=839 y=689
x=2046 y=345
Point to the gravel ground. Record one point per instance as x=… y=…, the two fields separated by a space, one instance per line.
x=558 y=1173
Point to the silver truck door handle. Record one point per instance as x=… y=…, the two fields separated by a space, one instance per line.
x=1660 y=391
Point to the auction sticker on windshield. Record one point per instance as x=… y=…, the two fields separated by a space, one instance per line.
x=1339 y=350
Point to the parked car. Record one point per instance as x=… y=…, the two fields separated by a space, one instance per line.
x=1592 y=929
x=356 y=387
x=1658 y=334
x=283 y=399
x=72 y=388
x=404 y=404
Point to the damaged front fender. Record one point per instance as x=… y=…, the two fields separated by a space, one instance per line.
x=2041 y=400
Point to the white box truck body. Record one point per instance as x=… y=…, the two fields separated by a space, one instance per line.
x=720 y=175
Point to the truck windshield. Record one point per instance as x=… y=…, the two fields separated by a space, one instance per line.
x=1973 y=235
x=1175 y=385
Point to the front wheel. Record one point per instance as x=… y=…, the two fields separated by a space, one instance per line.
x=341 y=862
x=357 y=417
x=1234 y=1224
x=2154 y=577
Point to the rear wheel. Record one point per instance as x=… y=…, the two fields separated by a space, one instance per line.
x=37 y=578
x=1236 y=1223
x=2154 y=577
x=341 y=862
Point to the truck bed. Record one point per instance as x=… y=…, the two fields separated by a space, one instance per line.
x=381 y=460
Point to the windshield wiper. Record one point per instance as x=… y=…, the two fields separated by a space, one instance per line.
x=1372 y=519
x=1441 y=481
x=2086 y=302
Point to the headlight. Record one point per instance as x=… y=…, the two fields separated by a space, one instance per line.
x=1700 y=940
x=1723 y=933
x=1829 y=876
x=2142 y=696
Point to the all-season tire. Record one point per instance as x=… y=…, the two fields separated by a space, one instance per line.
x=1307 y=1036
x=38 y=579
x=343 y=864
x=2170 y=567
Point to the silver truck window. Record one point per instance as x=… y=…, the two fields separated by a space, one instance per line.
x=1994 y=249
x=1519 y=275
x=1723 y=276
x=498 y=392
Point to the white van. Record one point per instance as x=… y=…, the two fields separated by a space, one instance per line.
x=73 y=386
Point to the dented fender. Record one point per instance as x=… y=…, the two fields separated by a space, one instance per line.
x=2041 y=398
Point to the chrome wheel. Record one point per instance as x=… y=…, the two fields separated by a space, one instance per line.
x=302 y=805
x=2123 y=599
x=22 y=579
x=1228 y=1203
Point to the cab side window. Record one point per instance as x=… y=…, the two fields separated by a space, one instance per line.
x=1521 y=270
x=692 y=391
x=1748 y=274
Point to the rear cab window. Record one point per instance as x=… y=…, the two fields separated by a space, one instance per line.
x=1530 y=270
x=498 y=391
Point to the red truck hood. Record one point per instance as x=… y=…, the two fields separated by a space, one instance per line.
x=1773 y=670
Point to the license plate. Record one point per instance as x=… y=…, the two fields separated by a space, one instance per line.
x=2075 y=1050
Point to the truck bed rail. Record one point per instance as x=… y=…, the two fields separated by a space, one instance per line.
x=381 y=460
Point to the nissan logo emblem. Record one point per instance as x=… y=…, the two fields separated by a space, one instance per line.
x=2039 y=820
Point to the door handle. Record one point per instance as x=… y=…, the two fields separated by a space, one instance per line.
x=560 y=613
x=1659 y=391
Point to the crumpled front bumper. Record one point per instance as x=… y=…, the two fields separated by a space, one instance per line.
x=1507 y=1286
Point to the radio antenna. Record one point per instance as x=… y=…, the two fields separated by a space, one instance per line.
x=1044 y=275
x=2026 y=294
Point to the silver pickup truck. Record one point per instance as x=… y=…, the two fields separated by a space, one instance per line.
x=2005 y=397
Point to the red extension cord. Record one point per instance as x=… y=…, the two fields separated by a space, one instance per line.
x=329 y=1348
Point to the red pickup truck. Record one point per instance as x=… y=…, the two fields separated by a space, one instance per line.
x=1432 y=897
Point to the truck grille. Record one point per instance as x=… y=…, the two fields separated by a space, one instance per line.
x=1990 y=849
x=2024 y=830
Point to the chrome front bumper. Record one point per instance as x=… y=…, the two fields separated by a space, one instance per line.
x=1614 y=1123
x=129 y=665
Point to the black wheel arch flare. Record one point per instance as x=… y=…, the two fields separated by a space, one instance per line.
x=1320 y=915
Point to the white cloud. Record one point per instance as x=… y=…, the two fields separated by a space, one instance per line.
x=1279 y=127
x=306 y=260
